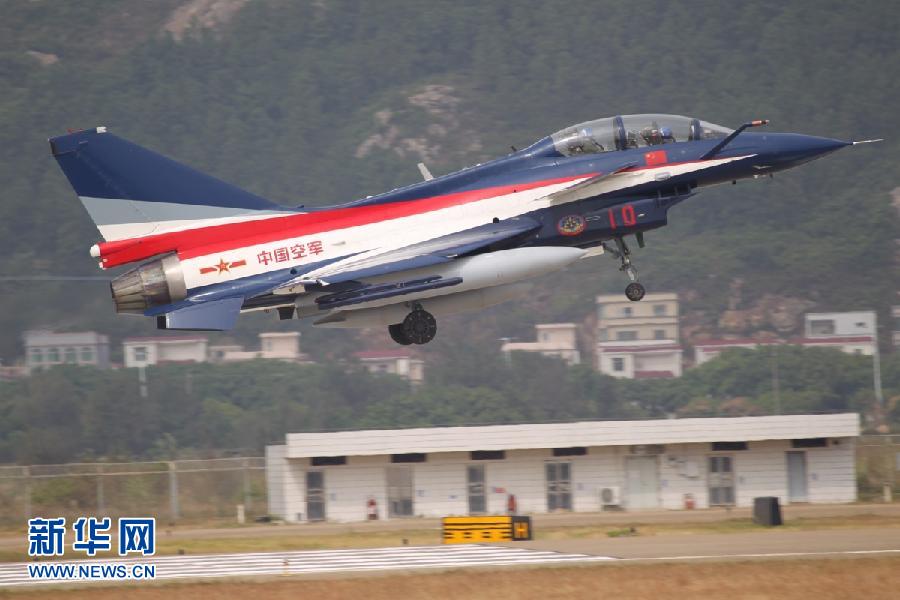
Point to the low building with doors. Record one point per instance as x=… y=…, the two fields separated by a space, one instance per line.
x=558 y=340
x=580 y=467
x=48 y=348
x=147 y=351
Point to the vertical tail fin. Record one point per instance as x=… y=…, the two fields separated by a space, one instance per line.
x=130 y=191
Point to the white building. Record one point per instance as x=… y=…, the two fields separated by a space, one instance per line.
x=284 y=346
x=895 y=313
x=559 y=340
x=647 y=359
x=146 y=351
x=582 y=467
x=710 y=349
x=638 y=339
x=394 y=362
x=850 y=332
x=48 y=348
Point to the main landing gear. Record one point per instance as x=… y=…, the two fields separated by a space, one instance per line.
x=419 y=327
x=634 y=291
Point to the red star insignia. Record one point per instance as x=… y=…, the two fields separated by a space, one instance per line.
x=223 y=266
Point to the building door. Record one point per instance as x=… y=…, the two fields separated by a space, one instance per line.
x=796 y=466
x=559 y=486
x=721 y=481
x=475 y=485
x=400 y=491
x=315 y=495
x=642 y=482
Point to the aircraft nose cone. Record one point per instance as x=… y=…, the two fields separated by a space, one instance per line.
x=792 y=149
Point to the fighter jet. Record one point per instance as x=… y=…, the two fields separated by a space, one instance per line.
x=459 y=242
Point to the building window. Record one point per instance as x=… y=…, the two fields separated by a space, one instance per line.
x=626 y=336
x=37 y=356
x=327 y=461
x=87 y=354
x=659 y=334
x=410 y=457
x=821 y=327
x=71 y=355
x=626 y=311
x=659 y=310
x=574 y=451
x=728 y=446
x=139 y=353
x=618 y=364
x=487 y=455
x=53 y=355
x=810 y=443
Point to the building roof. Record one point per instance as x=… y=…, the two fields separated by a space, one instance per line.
x=164 y=339
x=653 y=374
x=738 y=342
x=381 y=354
x=566 y=435
x=837 y=339
x=41 y=337
x=638 y=348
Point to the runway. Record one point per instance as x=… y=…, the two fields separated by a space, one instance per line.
x=319 y=561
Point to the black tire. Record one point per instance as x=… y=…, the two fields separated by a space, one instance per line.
x=398 y=335
x=419 y=327
x=635 y=291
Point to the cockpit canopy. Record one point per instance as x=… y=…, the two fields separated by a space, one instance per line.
x=633 y=131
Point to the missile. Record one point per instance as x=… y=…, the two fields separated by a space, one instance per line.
x=444 y=305
x=480 y=272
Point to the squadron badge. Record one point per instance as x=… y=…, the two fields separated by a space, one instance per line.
x=571 y=225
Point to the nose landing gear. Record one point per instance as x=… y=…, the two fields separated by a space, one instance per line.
x=635 y=290
x=419 y=327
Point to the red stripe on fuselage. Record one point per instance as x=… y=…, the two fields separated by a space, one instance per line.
x=200 y=241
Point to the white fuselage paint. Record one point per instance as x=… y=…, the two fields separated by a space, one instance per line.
x=365 y=242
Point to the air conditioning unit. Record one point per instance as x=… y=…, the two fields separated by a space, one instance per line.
x=610 y=496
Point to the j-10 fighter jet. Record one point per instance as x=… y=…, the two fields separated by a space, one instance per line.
x=448 y=244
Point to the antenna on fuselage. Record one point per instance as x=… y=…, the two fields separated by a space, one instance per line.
x=426 y=174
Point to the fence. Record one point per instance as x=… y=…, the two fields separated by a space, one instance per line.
x=171 y=491
x=878 y=467
x=211 y=489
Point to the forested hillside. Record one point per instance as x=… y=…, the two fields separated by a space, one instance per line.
x=325 y=101
x=69 y=414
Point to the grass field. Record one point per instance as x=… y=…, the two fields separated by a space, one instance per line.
x=236 y=539
x=838 y=579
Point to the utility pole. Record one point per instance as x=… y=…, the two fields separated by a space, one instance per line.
x=876 y=368
x=776 y=383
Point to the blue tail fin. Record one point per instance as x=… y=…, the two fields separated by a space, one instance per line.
x=130 y=191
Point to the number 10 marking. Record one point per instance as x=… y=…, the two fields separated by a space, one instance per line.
x=628 y=217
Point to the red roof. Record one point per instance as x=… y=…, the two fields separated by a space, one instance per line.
x=653 y=374
x=173 y=338
x=630 y=349
x=381 y=354
x=739 y=342
x=834 y=340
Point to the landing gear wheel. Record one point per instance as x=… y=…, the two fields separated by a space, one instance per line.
x=398 y=335
x=419 y=326
x=635 y=291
